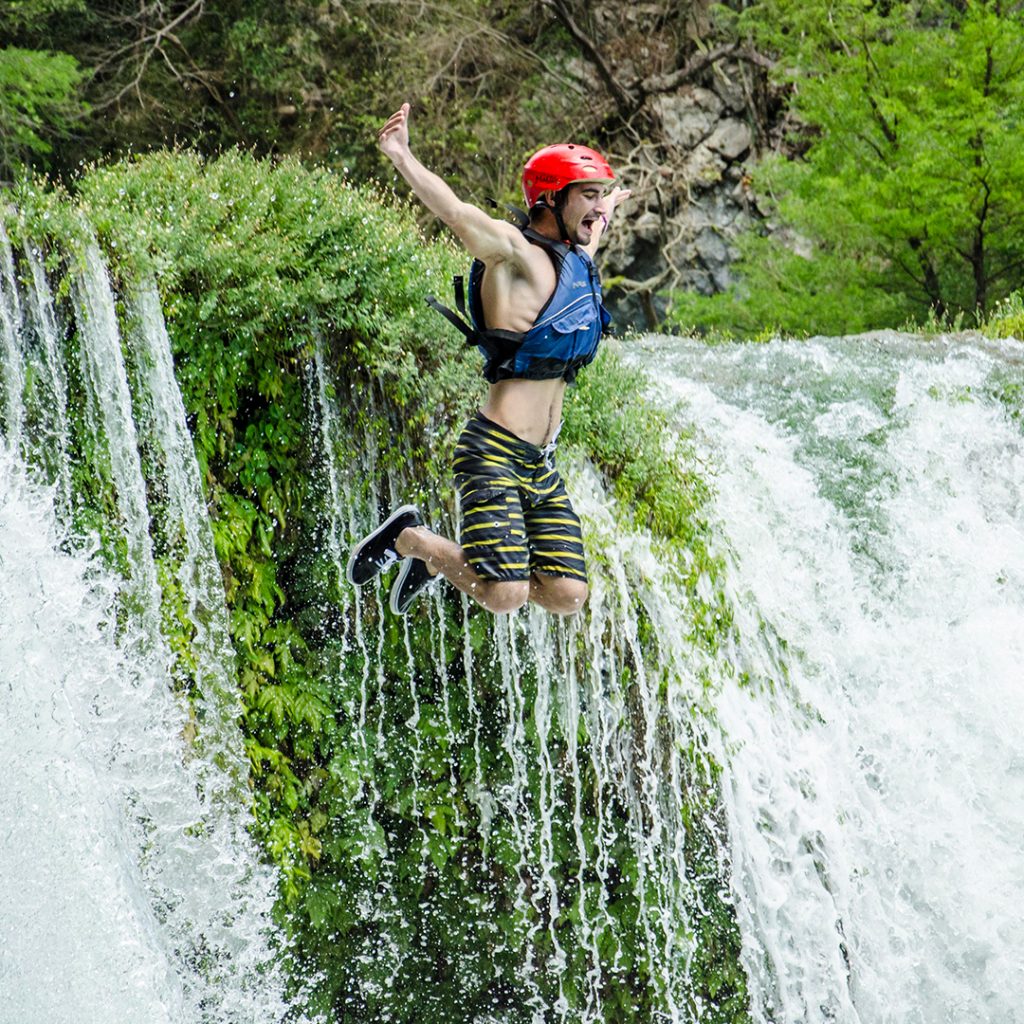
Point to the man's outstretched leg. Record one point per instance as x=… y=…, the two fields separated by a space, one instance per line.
x=438 y=555
x=442 y=556
x=427 y=555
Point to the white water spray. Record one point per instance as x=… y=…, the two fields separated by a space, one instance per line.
x=116 y=903
x=131 y=889
x=869 y=491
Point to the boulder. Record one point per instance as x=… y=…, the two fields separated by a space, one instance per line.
x=731 y=139
x=704 y=167
x=683 y=122
x=706 y=99
x=711 y=248
x=729 y=89
x=647 y=226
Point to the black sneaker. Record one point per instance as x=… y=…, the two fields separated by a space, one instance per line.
x=412 y=579
x=375 y=552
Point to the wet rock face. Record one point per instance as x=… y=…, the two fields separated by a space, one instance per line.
x=692 y=198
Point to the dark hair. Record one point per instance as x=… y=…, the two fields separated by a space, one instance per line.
x=561 y=198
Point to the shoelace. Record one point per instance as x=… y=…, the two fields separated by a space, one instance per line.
x=387 y=557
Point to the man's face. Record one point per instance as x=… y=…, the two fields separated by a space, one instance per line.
x=584 y=204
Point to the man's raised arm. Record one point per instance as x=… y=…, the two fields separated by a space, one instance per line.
x=483 y=236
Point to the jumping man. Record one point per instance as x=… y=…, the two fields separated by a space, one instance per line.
x=535 y=305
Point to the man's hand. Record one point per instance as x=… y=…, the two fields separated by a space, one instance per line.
x=616 y=196
x=609 y=202
x=393 y=138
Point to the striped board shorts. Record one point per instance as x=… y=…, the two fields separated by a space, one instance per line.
x=516 y=515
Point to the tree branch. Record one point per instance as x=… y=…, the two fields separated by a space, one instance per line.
x=932 y=286
x=698 y=62
x=626 y=101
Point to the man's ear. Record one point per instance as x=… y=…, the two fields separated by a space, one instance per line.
x=545 y=201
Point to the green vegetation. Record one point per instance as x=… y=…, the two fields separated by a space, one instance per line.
x=38 y=101
x=894 y=200
x=489 y=83
x=1007 y=319
x=375 y=741
x=906 y=200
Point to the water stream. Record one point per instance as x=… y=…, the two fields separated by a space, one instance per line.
x=131 y=889
x=870 y=493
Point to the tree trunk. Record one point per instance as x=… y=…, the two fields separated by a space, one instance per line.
x=932 y=285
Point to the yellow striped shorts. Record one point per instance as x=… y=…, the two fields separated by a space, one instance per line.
x=516 y=516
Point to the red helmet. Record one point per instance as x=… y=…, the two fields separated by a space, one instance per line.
x=554 y=167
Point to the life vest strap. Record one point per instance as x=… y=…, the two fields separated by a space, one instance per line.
x=454 y=319
x=495 y=341
x=521 y=217
x=491 y=341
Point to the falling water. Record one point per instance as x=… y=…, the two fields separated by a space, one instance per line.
x=131 y=888
x=869 y=492
x=187 y=525
x=114 y=905
x=11 y=326
x=54 y=441
x=113 y=426
x=97 y=946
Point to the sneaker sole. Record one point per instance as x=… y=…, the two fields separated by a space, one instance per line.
x=404 y=510
x=397 y=586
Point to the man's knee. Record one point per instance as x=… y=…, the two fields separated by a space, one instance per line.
x=498 y=597
x=560 y=595
x=571 y=598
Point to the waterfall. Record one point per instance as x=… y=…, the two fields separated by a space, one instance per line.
x=54 y=442
x=186 y=524
x=11 y=325
x=78 y=943
x=869 y=497
x=785 y=771
x=131 y=889
x=113 y=426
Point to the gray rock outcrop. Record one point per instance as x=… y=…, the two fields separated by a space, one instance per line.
x=692 y=197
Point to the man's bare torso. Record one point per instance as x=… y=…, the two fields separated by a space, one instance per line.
x=512 y=298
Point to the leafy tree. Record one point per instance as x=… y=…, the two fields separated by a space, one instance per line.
x=40 y=91
x=489 y=82
x=910 y=184
x=39 y=102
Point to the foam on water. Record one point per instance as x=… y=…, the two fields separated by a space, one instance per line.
x=870 y=494
x=78 y=940
x=125 y=895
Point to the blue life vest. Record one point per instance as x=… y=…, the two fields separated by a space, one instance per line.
x=563 y=338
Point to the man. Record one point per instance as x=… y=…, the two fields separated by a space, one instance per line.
x=535 y=301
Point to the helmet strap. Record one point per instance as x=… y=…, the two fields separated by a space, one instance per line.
x=555 y=209
x=560 y=199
